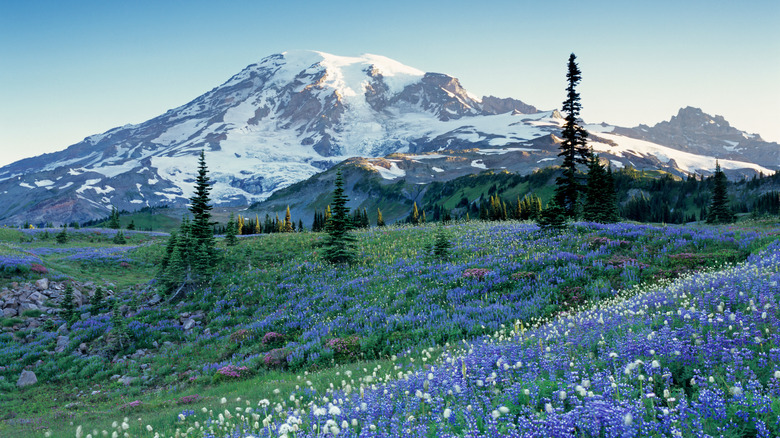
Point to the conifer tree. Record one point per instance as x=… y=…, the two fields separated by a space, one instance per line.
x=119 y=333
x=130 y=226
x=415 y=217
x=119 y=238
x=230 y=232
x=68 y=309
x=422 y=218
x=442 y=245
x=600 y=197
x=339 y=243
x=257 y=229
x=202 y=235
x=380 y=222
x=300 y=226
x=288 y=225
x=552 y=218
x=573 y=147
x=113 y=221
x=97 y=300
x=62 y=237
x=719 y=211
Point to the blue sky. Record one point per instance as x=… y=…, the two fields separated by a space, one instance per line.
x=73 y=69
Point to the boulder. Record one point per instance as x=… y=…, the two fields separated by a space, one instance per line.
x=155 y=299
x=126 y=380
x=9 y=312
x=83 y=348
x=62 y=342
x=189 y=324
x=26 y=378
x=27 y=306
x=42 y=284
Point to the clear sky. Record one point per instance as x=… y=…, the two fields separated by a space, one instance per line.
x=72 y=69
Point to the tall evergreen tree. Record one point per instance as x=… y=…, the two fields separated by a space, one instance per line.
x=380 y=222
x=201 y=232
x=339 y=243
x=573 y=147
x=719 y=212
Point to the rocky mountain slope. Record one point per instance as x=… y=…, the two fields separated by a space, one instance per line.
x=295 y=114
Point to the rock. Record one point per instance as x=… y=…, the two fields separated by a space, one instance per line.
x=126 y=380
x=42 y=284
x=33 y=324
x=73 y=405
x=155 y=299
x=189 y=324
x=62 y=342
x=27 y=306
x=9 y=312
x=26 y=378
x=11 y=302
x=62 y=329
x=83 y=348
x=85 y=315
x=115 y=376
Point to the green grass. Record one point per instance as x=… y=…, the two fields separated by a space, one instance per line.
x=45 y=405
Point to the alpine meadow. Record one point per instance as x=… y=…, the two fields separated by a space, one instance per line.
x=332 y=246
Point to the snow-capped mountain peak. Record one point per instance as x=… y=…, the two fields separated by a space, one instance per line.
x=280 y=121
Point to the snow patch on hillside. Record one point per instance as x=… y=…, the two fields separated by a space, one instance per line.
x=684 y=160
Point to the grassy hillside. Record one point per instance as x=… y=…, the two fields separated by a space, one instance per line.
x=275 y=314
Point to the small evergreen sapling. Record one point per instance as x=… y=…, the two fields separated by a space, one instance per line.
x=230 y=232
x=62 y=237
x=119 y=238
x=68 y=309
x=552 y=218
x=442 y=245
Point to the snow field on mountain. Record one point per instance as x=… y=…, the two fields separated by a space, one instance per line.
x=685 y=160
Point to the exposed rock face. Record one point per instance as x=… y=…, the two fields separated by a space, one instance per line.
x=694 y=131
x=26 y=378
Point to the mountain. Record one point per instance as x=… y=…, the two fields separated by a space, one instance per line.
x=295 y=114
x=696 y=132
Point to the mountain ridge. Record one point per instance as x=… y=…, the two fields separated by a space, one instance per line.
x=294 y=114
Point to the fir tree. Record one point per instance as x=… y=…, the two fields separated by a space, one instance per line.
x=230 y=232
x=97 y=300
x=202 y=236
x=415 y=217
x=257 y=228
x=442 y=245
x=62 y=237
x=552 y=218
x=573 y=147
x=113 y=221
x=380 y=222
x=719 y=211
x=300 y=226
x=131 y=225
x=119 y=238
x=68 y=309
x=339 y=243
x=288 y=225
x=600 y=198
x=120 y=336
